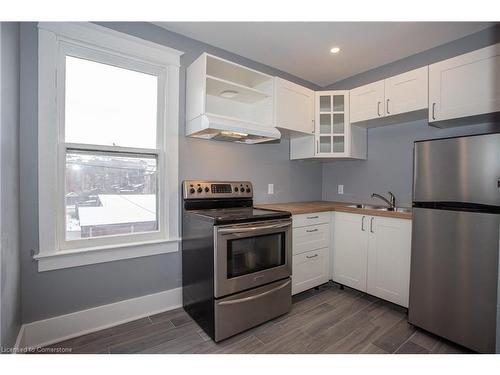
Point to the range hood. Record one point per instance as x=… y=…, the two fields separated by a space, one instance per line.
x=221 y=128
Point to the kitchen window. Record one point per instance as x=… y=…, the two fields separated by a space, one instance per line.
x=108 y=146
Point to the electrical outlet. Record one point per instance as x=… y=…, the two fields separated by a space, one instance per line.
x=270 y=188
x=340 y=189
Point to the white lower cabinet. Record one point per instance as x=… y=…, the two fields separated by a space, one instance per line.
x=311 y=250
x=372 y=254
x=309 y=270
x=389 y=252
x=350 y=247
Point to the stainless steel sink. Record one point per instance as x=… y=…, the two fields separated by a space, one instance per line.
x=367 y=206
x=380 y=208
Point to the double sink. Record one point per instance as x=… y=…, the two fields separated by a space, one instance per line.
x=380 y=208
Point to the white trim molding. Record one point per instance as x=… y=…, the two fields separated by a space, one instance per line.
x=75 y=258
x=53 y=330
x=103 y=37
x=56 y=40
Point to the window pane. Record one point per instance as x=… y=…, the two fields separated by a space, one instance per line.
x=107 y=105
x=109 y=194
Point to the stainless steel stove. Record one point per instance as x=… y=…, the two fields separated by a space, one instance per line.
x=236 y=260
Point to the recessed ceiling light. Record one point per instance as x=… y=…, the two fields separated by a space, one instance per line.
x=335 y=50
x=228 y=93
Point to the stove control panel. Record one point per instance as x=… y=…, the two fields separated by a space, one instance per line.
x=196 y=189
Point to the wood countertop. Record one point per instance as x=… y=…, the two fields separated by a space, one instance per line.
x=297 y=208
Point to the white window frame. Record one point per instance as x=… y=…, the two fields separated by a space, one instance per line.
x=100 y=44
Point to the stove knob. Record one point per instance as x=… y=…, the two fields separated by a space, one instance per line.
x=236 y=189
x=248 y=190
x=191 y=191
x=207 y=190
x=200 y=189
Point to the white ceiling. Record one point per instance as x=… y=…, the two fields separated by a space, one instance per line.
x=303 y=48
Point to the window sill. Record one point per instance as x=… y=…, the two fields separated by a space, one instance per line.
x=82 y=257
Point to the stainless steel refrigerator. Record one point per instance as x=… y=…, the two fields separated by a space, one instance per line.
x=454 y=283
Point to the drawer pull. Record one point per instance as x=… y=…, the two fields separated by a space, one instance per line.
x=311 y=230
x=313 y=217
x=311 y=256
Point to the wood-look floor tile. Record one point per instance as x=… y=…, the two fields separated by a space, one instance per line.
x=93 y=337
x=292 y=342
x=372 y=349
x=247 y=345
x=277 y=329
x=107 y=342
x=327 y=320
x=177 y=345
x=178 y=317
x=356 y=341
x=424 y=339
x=395 y=336
x=446 y=347
x=151 y=340
x=327 y=340
x=411 y=348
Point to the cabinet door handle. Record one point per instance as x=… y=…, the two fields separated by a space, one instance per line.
x=311 y=256
x=387 y=107
x=433 y=111
x=371 y=225
x=378 y=108
x=313 y=217
x=311 y=230
x=363 y=223
x=317 y=146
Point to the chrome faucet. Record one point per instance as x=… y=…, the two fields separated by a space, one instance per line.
x=391 y=202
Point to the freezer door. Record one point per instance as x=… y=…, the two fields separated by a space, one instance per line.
x=454 y=276
x=465 y=169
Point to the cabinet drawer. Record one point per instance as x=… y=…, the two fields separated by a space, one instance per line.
x=310 y=219
x=310 y=238
x=309 y=270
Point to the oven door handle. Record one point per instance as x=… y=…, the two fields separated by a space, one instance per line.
x=250 y=298
x=252 y=229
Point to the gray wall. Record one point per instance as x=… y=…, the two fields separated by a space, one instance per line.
x=390 y=159
x=58 y=292
x=9 y=185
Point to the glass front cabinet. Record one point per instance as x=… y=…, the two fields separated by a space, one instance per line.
x=334 y=137
x=332 y=123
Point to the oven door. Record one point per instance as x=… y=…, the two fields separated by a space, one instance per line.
x=251 y=254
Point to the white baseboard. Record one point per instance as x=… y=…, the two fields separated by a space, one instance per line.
x=63 y=327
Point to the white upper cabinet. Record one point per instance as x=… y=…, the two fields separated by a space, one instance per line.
x=406 y=92
x=367 y=102
x=332 y=123
x=293 y=107
x=228 y=101
x=334 y=137
x=396 y=99
x=466 y=85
